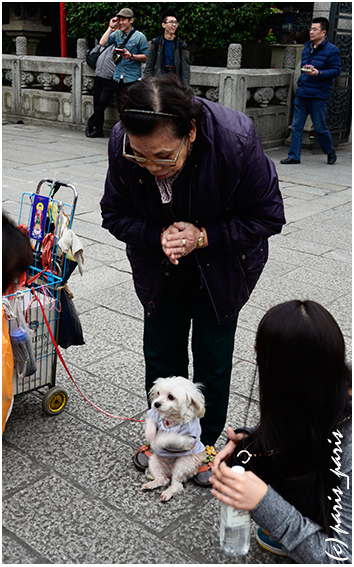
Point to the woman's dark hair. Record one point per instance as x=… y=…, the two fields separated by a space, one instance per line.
x=304 y=383
x=17 y=253
x=166 y=94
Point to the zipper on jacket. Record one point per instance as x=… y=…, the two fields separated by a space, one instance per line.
x=201 y=272
x=232 y=194
x=243 y=274
x=204 y=283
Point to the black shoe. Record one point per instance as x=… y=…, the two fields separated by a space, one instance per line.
x=88 y=132
x=142 y=456
x=95 y=134
x=331 y=158
x=289 y=161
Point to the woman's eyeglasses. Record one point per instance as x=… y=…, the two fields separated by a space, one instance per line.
x=143 y=161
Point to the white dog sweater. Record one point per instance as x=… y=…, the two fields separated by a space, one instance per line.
x=192 y=429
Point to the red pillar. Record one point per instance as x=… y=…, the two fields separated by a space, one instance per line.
x=63 y=44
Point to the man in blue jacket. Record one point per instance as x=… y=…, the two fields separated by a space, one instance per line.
x=320 y=65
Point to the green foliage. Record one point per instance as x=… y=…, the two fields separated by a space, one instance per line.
x=207 y=27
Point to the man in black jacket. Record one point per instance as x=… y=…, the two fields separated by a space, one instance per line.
x=168 y=53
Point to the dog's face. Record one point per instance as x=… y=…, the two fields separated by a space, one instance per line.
x=177 y=398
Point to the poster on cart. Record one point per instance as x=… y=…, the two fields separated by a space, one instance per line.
x=39 y=215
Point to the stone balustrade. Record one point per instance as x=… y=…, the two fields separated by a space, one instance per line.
x=53 y=89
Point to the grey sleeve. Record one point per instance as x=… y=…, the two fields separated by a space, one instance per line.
x=301 y=538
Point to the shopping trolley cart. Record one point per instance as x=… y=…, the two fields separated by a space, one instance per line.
x=43 y=218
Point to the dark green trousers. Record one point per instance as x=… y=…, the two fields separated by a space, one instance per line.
x=166 y=352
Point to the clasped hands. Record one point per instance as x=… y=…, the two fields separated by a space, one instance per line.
x=178 y=240
x=239 y=491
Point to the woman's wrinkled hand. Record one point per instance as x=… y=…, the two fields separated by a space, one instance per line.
x=179 y=239
x=241 y=491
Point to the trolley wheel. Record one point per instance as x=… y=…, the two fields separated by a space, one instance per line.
x=54 y=400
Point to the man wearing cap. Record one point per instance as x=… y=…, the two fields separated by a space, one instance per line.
x=133 y=52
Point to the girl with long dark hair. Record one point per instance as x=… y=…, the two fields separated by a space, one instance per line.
x=298 y=484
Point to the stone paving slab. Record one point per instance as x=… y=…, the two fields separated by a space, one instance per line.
x=70 y=491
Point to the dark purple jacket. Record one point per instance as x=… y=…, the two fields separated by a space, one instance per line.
x=231 y=190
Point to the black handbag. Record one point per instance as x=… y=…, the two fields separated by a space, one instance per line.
x=70 y=329
x=92 y=56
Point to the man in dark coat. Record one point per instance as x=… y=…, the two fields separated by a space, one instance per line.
x=168 y=53
x=320 y=65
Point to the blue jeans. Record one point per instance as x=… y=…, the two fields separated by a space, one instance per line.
x=317 y=108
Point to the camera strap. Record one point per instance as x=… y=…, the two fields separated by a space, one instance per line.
x=118 y=57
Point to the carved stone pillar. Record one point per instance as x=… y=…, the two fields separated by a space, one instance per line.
x=26 y=20
x=234 y=55
x=21 y=45
x=81 y=48
x=289 y=61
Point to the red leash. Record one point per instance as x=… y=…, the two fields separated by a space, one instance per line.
x=68 y=371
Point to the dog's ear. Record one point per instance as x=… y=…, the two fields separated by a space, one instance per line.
x=199 y=407
x=155 y=388
x=198 y=401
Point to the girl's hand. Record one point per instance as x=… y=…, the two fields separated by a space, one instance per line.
x=227 y=451
x=241 y=491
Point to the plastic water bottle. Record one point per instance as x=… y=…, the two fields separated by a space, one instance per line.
x=234 y=527
x=22 y=352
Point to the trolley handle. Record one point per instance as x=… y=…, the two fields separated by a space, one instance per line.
x=55 y=188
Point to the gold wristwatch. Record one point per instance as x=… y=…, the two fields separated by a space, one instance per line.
x=200 y=242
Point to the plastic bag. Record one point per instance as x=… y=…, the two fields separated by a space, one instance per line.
x=70 y=330
x=21 y=342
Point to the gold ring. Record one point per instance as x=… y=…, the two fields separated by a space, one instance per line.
x=184 y=242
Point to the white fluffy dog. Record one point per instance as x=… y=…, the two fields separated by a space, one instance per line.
x=173 y=430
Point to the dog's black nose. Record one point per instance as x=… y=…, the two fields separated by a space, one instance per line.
x=157 y=405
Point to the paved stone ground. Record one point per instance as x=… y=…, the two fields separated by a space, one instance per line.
x=70 y=491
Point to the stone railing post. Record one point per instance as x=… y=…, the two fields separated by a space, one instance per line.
x=21 y=45
x=78 y=78
x=77 y=92
x=16 y=85
x=234 y=55
x=81 y=48
x=289 y=61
